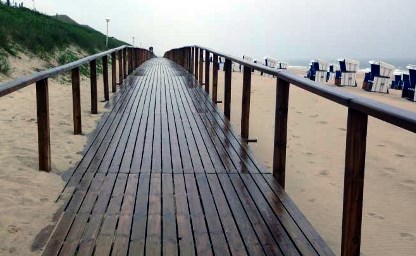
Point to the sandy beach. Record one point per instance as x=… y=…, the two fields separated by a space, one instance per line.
x=27 y=201
x=315 y=164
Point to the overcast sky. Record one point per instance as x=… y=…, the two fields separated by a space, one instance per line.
x=285 y=29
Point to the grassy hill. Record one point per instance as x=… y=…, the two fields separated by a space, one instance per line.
x=24 y=30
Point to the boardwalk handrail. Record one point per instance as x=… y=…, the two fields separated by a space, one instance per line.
x=359 y=108
x=129 y=59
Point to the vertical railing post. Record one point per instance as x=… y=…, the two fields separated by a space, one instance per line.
x=113 y=72
x=191 y=60
x=354 y=182
x=201 y=66
x=93 y=78
x=196 y=62
x=120 y=67
x=207 y=63
x=215 y=67
x=280 y=131
x=130 y=60
x=245 y=109
x=44 y=141
x=125 y=62
x=76 y=101
x=105 y=78
x=227 y=89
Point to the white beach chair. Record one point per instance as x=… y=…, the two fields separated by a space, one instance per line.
x=321 y=67
x=348 y=69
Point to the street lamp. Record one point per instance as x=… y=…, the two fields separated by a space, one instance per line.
x=133 y=41
x=106 y=40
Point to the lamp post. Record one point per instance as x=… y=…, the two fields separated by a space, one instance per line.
x=106 y=40
x=133 y=40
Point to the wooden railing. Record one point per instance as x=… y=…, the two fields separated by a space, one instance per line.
x=129 y=58
x=359 y=108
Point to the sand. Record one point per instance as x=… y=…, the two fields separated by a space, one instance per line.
x=315 y=162
x=27 y=201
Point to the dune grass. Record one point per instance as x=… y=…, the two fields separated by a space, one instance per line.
x=25 y=30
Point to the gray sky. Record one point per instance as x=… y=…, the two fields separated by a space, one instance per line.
x=284 y=29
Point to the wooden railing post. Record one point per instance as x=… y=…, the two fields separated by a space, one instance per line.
x=201 y=66
x=245 y=113
x=227 y=89
x=196 y=63
x=354 y=182
x=120 y=67
x=44 y=142
x=130 y=60
x=76 y=101
x=125 y=62
x=113 y=72
x=280 y=131
x=93 y=78
x=105 y=78
x=191 y=60
x=215 y=67
x=207 y=63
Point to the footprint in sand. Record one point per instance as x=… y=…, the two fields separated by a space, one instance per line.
x=308 y=153
x=324 y=173
x=400 y=155
x=388 y=171
x=375 y=216
x=322 y=122
x=299 y=112
x=407 y=237
x=13 y=229
x=381 y=145
x=312 y=200
x=410 y=184
x=313 y=116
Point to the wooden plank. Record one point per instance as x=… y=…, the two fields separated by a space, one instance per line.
x=44 y=137
x=227 y=89
x=105 y=78
x=157 y=129
x=254 y=230
x=272 y=222
x=196 y=62
x=183 y=219
x=201 y=234
x=154 y=217
x=245 y=109
x=93 y=78
x=215 y=226
x=76 y=101
x=280 y=131
x=267 y=181
x=354 y=182
x=170 y=242
x=215 y=68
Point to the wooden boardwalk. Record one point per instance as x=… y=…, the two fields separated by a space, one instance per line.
x=165 y=175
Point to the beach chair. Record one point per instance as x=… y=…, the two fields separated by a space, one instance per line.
x=348 y=68
x=410 y=86
x=321 y=68
x=379 y=78
x=397 y=82
x=333 y=67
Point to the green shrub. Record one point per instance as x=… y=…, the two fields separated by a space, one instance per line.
x=4 y=65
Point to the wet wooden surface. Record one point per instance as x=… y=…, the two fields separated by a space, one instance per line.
x=165 y=175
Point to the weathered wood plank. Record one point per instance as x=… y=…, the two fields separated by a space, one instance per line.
x=44 y=137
